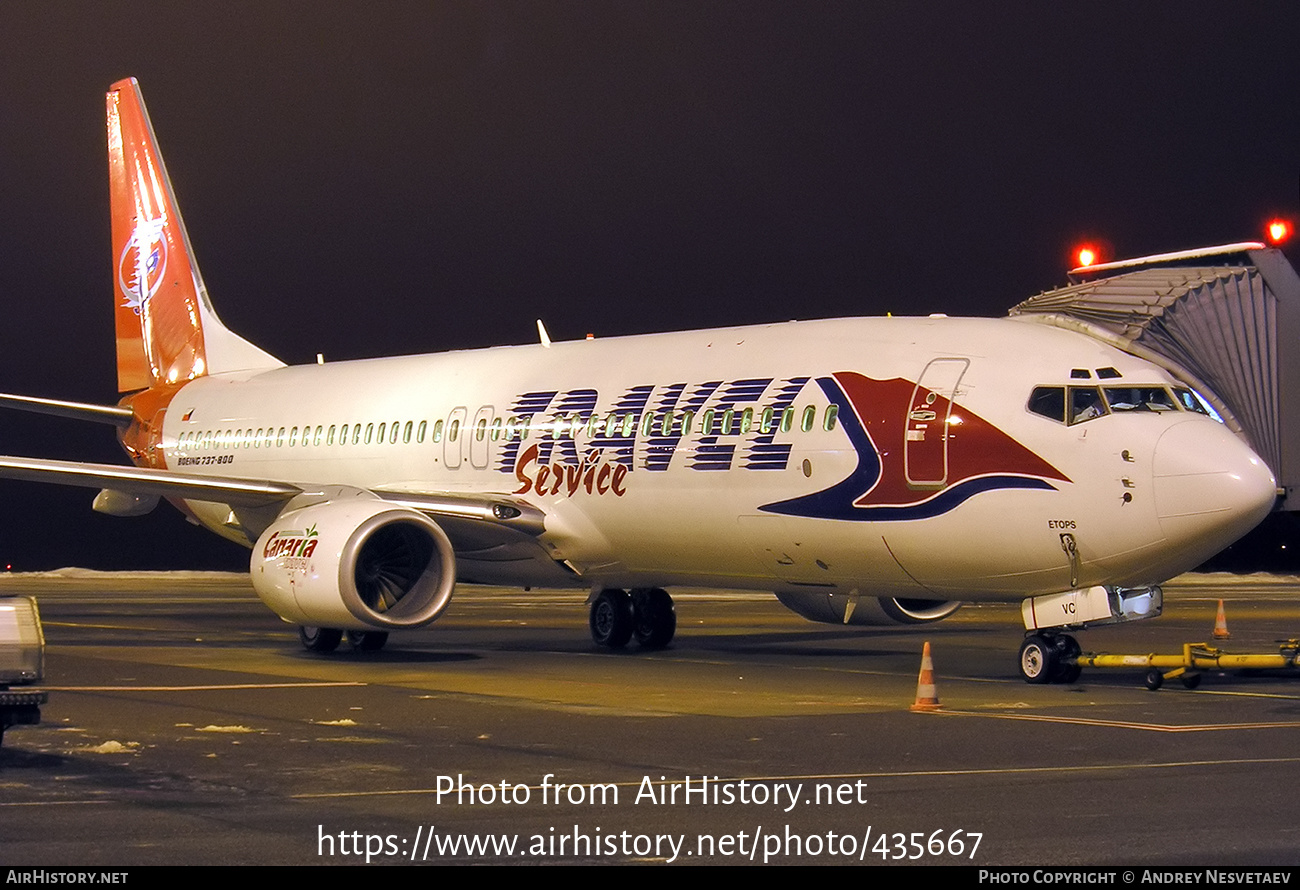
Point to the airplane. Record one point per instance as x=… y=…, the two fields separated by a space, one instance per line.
x=866 y=470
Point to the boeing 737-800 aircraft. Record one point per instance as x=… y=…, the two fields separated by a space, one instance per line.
x=866 y=470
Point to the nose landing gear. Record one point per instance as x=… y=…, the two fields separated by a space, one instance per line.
x=1050 y=658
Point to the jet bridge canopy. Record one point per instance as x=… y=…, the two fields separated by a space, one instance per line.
x=1224 y=320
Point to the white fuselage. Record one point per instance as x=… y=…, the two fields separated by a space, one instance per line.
x=968 y=502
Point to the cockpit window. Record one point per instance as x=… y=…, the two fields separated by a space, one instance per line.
x=1139 y=398
x=1190 y=401
x=1049 y=401
x=1085 y=404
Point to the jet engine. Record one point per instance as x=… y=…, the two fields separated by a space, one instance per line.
x=839 y=608
x=357 y=563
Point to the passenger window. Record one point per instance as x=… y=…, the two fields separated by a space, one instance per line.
x=688 y=417
x=809 y=418
x=392 y=432
x=1049 y=402
x=787 y=420
x=727 y=417
x=832 y=413
x=453 y=430
x=480 y=429
x=293 y=436
x=383 y=427
x=356 y=434
x=666 y=427
x=329 y=436
x=629 y=423
x=316 y=439
x=279 y=437
x=746 y=421
x=421 y=430
x=765 y=420
x=706 y=423
x=437 y=431
x=647 y=423
x=1085 y=404
x=370 y=432
x=496 y=430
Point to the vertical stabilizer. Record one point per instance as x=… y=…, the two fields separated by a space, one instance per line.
x=167 y=331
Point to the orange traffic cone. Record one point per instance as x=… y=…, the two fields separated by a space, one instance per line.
x=1221 y=624
x=927 y=698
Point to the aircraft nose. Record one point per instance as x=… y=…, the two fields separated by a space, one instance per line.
x=1210 y=487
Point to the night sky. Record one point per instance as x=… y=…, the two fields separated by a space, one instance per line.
x=382 y=178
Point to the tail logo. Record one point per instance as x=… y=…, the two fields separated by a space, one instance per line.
x=142 y=264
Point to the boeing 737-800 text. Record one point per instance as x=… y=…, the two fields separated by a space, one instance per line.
x=866 y=470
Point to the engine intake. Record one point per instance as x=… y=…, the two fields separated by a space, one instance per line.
x=831 y=608
x=355 y=564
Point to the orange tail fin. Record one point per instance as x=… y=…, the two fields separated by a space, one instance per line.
x=167 y=330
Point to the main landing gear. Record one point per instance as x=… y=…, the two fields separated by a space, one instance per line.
x=327 y=639
x=646 y=613
x=1050 y=658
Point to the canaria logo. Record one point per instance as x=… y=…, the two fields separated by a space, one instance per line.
x=142 y=264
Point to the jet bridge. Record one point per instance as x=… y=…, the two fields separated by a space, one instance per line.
x=1224 y=320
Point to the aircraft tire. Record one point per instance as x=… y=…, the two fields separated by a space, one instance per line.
x=320 y=639
x=655 y=618
x=367 y=640
x=611 y=618
x=1037 y=660
x=1067 y=649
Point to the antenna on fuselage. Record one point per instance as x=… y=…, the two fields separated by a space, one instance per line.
x=545 y=337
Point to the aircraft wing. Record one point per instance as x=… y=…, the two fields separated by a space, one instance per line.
x=474 y=521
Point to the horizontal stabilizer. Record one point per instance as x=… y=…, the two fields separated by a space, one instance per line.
x=114 y=414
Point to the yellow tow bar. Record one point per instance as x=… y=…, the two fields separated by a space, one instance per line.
x=1196 y=657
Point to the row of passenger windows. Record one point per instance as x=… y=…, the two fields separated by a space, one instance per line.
x=711 y=422
x=1076 y=404
x=680 y=423
x=270 y=437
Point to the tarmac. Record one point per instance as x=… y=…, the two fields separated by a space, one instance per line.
x=186 y=725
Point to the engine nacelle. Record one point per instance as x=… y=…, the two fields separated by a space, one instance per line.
x=355 y=563
x=839 y=608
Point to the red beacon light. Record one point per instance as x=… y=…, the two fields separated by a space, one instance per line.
x=1279 y=230
x=1086 y=255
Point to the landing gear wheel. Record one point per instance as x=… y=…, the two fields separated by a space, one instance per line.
x=611 y=618
x=1067 y=650
x=320 y=639
x=1068 y=673
x=655 y=618
x=1155 y=679
x=1037 y=659
x=367 y=640
x=1191 y=681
